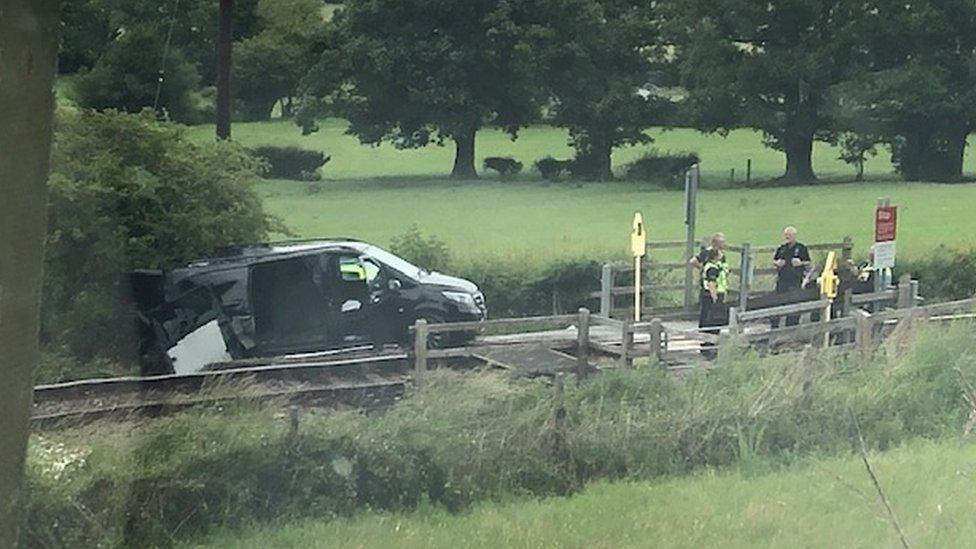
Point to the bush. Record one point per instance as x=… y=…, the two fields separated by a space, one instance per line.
x=945 y=275
x=130 y=192
x=668 y=169
x=505 y=166
x=292 y=162
x=514 y=290
x=426 y=252
x=124 y=79
x=552 y=169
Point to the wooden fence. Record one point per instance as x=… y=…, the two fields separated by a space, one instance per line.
x=861 y=330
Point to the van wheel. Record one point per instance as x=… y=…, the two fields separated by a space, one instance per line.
x=438 y=340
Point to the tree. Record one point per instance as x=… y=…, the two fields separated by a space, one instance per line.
x=269 y=66
x=598 y=59
x=921 y=91
x=415 y=72
x=190 y=24
x=855 y=148
x=127 y=78
x=85 y=34
x=129 y=192
x=767 y=65
x=29 y=42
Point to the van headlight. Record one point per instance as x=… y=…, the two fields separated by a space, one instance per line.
x=463 y=299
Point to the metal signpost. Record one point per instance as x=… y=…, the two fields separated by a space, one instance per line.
x=638 y=247
x=691 y=209
x=885 y=232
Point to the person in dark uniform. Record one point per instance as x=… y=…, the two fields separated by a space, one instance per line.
x=715 y=286
x=792 y=259
x=717 y=243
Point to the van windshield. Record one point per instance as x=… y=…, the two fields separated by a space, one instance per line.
x=395 y=262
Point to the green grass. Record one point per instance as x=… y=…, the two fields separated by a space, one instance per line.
x=830 y=503
x=375 y=193
x=352 y=160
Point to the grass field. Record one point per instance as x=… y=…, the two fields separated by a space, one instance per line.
x=831 y=503
x=375 y=193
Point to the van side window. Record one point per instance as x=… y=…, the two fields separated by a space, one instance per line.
x=372 y=270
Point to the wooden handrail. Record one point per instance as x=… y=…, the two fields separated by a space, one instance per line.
x=783 y=310
x=884 y=295
x=802 y=331
x=968 y=305
x=447 y=327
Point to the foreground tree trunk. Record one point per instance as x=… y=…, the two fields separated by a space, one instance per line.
x=29 y=45
x=464 y=155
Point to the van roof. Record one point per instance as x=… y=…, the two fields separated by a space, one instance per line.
x=263 y=251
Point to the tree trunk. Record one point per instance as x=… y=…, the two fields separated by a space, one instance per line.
x=956 y=155
x=799 y=158
x=464 y=155
x=29 y=42
x=926 y=157
x=602 y=154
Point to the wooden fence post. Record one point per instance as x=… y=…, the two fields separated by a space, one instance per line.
x=583 y=344
x=905 y=298
x=748 y=171
x=293 y=420
x=864 y=334
x=745 y=276
x=606 y=291
x=734 y=321
x=847 y=252
x=657 y=339
x=420 y=352
x=627 y=346
x=559 y=447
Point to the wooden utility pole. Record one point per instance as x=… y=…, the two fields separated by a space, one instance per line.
x=225 y=42
x=29 y=46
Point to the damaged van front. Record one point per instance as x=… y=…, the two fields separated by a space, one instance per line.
x=299 y=297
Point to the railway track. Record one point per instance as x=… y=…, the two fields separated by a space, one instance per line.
x=361 y=380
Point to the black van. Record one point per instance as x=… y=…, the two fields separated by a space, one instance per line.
x=288 y=298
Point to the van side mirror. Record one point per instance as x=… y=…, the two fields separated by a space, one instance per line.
x=394 y=285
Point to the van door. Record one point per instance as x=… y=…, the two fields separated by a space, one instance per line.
x=292 y=307
x=347 y=279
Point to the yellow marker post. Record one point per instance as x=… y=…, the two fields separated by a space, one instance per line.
x=829 y=283
x=638 y=247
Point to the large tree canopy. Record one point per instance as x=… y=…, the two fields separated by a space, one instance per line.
x=598 y=58
x=767 y=65
x=920 y=95
x=269 y=66
x=414 y=72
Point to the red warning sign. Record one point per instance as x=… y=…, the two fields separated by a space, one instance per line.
x=885 y=223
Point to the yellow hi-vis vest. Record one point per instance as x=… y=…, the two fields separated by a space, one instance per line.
x=722 y=282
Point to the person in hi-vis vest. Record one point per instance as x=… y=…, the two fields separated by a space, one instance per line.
x=714 y=288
